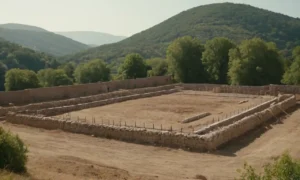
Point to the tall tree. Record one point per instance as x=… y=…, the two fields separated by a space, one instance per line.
x=184 y=56
x=255 y=62
x=18 y=79
x=159 y=67
x=53 y=77
x=216 y=58
x=29 y=60
x=3 y=70
x=69 y=69
x=92 y=71
x=292 y=75
x=133 y=67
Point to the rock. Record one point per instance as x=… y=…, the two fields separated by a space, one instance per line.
x=242 y=102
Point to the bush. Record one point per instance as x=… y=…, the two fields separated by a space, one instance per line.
x=12 y=152
x=283 y=168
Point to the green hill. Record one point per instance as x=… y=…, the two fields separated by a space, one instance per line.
x=22 y=27
x=40 y=40
x=234 y=21
x=16 y=56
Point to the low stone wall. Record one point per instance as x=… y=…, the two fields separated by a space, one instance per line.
x=218 y=88
x=225 y=134
x=194 y=142
x=136 y=135
x=257 y=90
x=85 y=99
x=72 y=91
x=286 y=89
x=269 y=89
x=64 y=109
x=237 y=117
x=194 y=118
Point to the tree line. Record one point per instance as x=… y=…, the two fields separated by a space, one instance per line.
x=252 y=62
x=220 y=60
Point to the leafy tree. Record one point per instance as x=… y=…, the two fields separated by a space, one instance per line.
x=10 y=61
x=29 y=60
x=255 y=62
x=133 y=67
x=283 y=168
x=216 y=58
x=3 y=70
x=18 y=79
x=93 y=71
x=159 y=67
x=69 y=69
x=296 y=51
x=53 y=77
x=51 y=63
x=12 y=152
x=292 y=75
x=184 y=56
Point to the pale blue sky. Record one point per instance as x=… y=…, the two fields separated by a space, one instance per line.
x=119 y=17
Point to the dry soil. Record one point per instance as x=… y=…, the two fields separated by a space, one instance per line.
x=169 y=110
x=58 y=155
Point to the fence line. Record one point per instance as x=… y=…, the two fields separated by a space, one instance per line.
x=153 y=126
x=142 y=125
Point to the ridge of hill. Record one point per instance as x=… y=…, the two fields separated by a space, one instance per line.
x=22 y=27
x=39 y=39
x=234 y=21
x=91 y=37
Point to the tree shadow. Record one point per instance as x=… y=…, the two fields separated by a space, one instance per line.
x=230 y=148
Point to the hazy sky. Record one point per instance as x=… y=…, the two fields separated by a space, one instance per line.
x=119 y=17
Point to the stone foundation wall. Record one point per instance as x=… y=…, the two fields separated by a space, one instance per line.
x=257 y=90
x=217 y=88
x=64 y=109
x=237 y=117
x=194 y=118
x=225 y=134
x=85 y=99
x=209 y=141
x=64 y=92
x=136 y=135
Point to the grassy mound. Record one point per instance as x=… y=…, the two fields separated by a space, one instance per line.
x=12 y=152
x=282 y=168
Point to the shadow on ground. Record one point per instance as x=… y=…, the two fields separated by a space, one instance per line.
x=239 y=143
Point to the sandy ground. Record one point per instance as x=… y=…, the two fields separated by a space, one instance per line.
x=59 y=155
x=169 y=110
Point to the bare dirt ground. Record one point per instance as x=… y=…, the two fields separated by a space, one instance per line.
x=170 y=110
x=59 y=155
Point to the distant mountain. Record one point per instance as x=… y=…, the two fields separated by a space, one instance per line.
x=93 y=45
x=40 y=39
x=91 y=37
x=22 y=27
x=235 y=21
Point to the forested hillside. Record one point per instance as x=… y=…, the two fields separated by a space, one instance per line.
x=15 y=56
x=40 y=40
x=234 y=21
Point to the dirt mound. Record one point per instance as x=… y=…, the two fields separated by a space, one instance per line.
x=70 y=167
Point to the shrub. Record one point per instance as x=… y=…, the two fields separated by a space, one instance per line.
x=12 y=152
x=282 y=168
